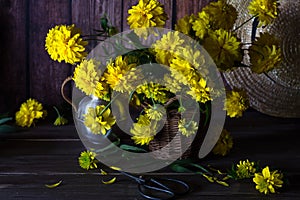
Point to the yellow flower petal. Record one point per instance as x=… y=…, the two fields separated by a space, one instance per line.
x=266 y=172
x=54 y=185
x=115 y=168
x=222 y=183
x=110 y=181
x=102 y=172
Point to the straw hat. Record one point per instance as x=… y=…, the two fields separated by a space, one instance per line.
x=275 y=93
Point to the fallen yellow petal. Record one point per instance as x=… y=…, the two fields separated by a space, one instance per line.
x=102 y=172
x=115 y=168
x=110 y=181
x=223 y=183
x=53 y=185
x=209 y=178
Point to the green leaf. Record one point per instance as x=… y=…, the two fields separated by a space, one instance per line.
x=200 y=167
x=5 y=119
x=103 y=22
x=132 y=148
x=183 y=161
x=7 y=128
x=53 y=185
x=179 y=168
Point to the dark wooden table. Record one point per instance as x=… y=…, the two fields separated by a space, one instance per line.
x=46 y=154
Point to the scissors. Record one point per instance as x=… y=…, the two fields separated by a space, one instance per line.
x=159 y=189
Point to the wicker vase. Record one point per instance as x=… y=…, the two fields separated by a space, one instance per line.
x=168 y=133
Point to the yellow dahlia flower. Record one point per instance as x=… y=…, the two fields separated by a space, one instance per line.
x=154 y=91
x=129 y=80
x=268 y=181
x=224 y=144
x=221 y=15
x=187 y=128
x=116 y=70
x=166 y=47
x=147 y=13
x=87 y=78
x=265 y=53
x=182 y=70
x=195 y=58
x=224 y=48
x=155 y=112
x=99 y=120
x=245 y=169
x=201 y=25
x=236 y=103
x=266 y=10
x=30 y=111
x=87 y=160
x=184 y=25
x=64 y=43
x=143 y=131
x=199 y=90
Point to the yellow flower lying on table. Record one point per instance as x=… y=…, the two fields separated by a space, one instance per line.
x=245 y=169
x=268 y=181
x=87 y=160
x=60 y=120
x=29 y=112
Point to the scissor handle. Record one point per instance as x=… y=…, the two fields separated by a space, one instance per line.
x=163 y=189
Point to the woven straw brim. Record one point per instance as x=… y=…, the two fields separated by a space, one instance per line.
x=277 y=92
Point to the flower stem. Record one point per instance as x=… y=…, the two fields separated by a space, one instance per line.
x=244 y=23
x=109 y=103
x=191 y=119
x=57 y=111
x=153 y=102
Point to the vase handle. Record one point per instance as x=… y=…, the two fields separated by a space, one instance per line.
x=67 y=99
x=171 y=100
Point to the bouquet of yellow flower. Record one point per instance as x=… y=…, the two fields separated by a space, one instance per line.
x=188 y=68
x=165 y=76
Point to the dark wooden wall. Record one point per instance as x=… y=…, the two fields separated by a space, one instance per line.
x=26 y=69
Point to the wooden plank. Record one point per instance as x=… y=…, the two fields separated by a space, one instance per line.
x=46 y=76
x=43 y=131
x=12 y=54
x=86 y=15
x=184 y=8
x=89 y=186
x=28 y=160
x=168 y=6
